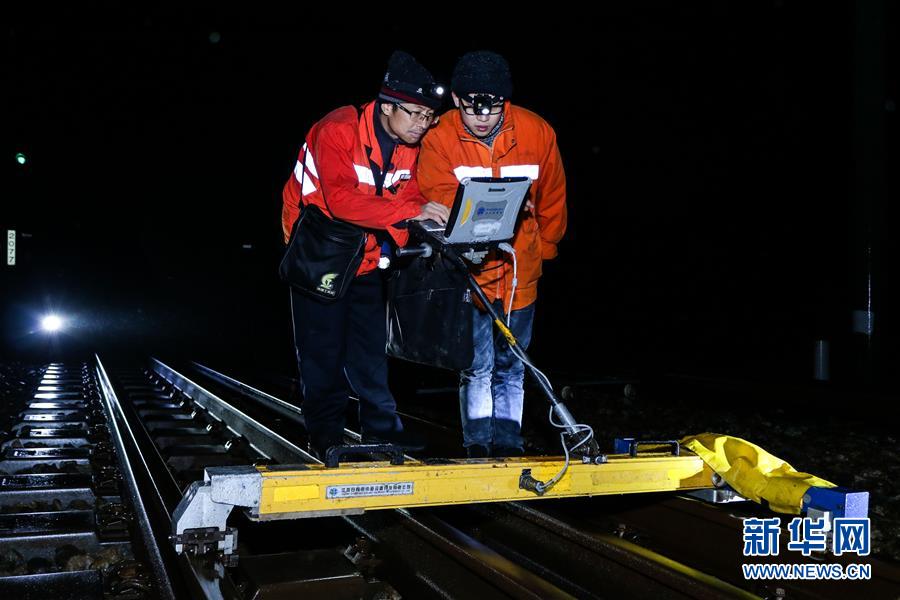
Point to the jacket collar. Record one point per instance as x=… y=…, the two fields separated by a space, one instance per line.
x=369 y=141
x=367 y=133
x=505 y=139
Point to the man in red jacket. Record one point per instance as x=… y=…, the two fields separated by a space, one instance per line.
x=487 y=136
x=359 y=165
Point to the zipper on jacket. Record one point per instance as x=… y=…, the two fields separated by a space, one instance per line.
x=468 y=138
x=501 y=283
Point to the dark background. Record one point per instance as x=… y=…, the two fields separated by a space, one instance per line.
x=730 y=170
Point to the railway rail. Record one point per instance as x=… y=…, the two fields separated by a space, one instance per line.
x=92 y=476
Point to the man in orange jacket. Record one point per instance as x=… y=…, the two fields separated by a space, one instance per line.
x=486 y=136
x=359 y=165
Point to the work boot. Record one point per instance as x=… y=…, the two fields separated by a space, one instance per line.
x=319 y=445
x=477 y=451
x=505 y=451
x=315 y=452
x=405 y=440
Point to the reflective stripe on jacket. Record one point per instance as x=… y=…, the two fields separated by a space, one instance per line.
x=525 y=146
x=334 y=168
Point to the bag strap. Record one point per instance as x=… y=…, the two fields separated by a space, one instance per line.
x=302 y=175
x=359 y=115
x=300 y=204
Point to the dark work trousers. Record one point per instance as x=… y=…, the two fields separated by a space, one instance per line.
x=341 y=350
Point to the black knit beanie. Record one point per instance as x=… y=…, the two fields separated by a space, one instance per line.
x=408 y=81
x=482 y=72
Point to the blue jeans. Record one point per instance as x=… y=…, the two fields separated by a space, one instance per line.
x=491 y=394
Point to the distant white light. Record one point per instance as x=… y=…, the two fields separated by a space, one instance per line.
x=51 y=323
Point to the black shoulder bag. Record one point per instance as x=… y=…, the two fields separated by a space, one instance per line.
x=323 y=254
x=430 y=314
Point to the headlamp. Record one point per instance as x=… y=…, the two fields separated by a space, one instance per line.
x=482 y=103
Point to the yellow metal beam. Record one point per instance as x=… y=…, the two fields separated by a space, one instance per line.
x=309 y=491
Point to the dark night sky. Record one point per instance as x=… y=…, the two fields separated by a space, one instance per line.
x=708 y=150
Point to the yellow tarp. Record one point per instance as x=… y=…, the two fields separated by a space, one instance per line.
x=752 y=472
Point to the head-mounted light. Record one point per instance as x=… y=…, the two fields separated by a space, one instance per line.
x=482 y=103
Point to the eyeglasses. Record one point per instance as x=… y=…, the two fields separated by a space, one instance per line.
x=417 y=115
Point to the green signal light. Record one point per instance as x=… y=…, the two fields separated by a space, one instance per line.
x=20 y=158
